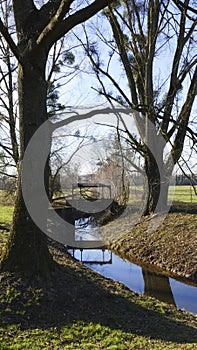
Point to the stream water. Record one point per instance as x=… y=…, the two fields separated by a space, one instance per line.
x=138 y=279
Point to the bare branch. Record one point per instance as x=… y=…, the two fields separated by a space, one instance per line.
x=6 y=149
x=58 y=26
x=123 y=54
x=183 y=120
x=9 y=40
x=62 y=10
x=182 y=6
x=175 y=83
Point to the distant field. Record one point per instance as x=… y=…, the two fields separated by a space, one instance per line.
x=176 y=193
x=182 y=194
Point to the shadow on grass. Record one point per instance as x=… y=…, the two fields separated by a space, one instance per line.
x=183 y=207
x=78 y=294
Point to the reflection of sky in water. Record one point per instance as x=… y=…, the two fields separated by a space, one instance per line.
x=123 y=271
x=91 y=233
x=185 y=296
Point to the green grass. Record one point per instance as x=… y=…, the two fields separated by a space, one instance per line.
x=182 y=194
x=6 y=212
x=82 y=336
x=176 y=193
x=6 y=208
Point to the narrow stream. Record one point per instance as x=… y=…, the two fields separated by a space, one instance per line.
x=138 y=279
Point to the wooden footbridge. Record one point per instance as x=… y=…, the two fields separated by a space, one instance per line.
x=86 y=200
x=90 y=197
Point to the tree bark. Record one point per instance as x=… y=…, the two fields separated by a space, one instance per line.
x=27 y=251
x=156 y=185
x=152 y=185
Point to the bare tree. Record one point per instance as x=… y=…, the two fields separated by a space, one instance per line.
x=162 y=101
x=37 y=31
x=61 y=68
x=8 y=87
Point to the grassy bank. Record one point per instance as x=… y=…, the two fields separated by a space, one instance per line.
x=163 y=243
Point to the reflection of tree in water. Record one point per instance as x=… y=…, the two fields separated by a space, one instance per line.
x=158 y=286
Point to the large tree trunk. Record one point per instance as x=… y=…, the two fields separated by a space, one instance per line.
x=156 y=184
x=27 y=249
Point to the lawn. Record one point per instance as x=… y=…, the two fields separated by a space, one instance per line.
x=6 y=212
x=183 y=194
x=176 y=193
